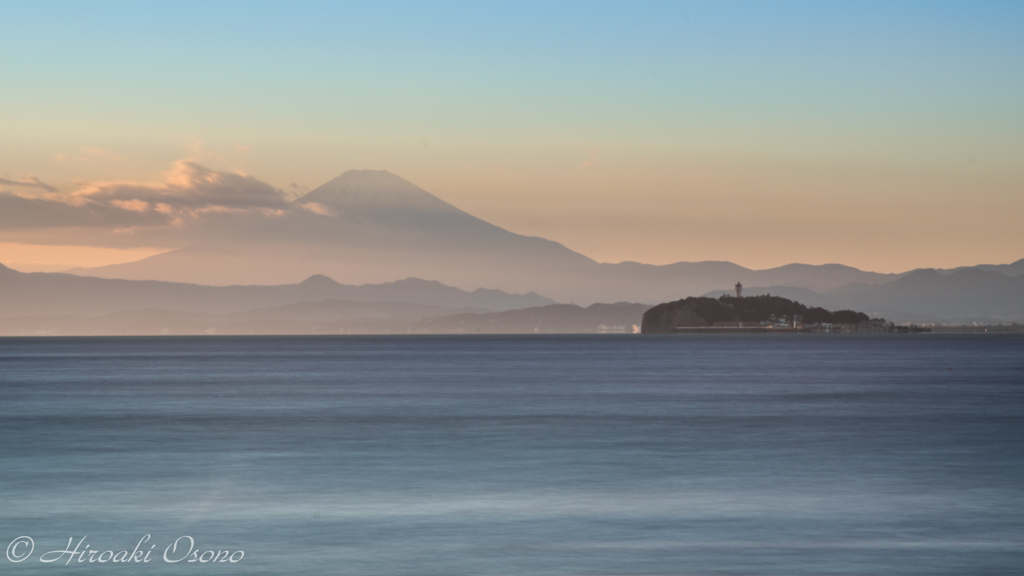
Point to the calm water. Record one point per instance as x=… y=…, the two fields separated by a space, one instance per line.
x=445 y=456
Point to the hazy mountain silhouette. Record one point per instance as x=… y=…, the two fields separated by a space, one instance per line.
x=363 y=226
x=926 y=295
x=52 y=294
x=371 y=226
x=1014 y=269
x=961 y=295
x=649 y=283
x=65 y=304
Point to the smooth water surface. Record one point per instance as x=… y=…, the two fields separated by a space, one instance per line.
x=775 y=455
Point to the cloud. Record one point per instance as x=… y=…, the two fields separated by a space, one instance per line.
x=295 y=191
x=189 y=192
x=31 y=182
x=196 y=149
x=317 y=208
x=189 y=185
x=55 y=211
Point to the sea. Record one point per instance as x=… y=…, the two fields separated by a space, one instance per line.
x=797 y=454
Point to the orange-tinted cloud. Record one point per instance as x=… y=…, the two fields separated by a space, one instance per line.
x=189 y=191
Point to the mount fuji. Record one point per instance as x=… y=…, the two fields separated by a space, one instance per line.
x=371 y=226
x=361 y=227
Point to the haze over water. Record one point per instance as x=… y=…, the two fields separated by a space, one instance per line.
x=520 y=455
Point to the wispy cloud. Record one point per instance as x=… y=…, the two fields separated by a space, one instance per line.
x=188 y=184
x=295 y=191
x=189 y=192
x=317 y=208
x=55 y=211
x=30 y=182
x=197 y=150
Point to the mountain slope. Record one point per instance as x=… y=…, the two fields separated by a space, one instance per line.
x=961 y=295
x=50 y=294
x=376 y=190
x=364 y=226
x=371 y=226
x=926 y=295
x=1014 y=269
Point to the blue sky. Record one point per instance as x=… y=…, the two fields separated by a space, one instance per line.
x=509 y=109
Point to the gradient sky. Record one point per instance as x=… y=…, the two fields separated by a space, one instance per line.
x=883 y=135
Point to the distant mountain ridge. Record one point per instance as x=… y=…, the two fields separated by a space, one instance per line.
x=53 y=303
x=923 y=295
x=373 y=227
x=49 y=294
x=1014 y=269
x=64 y=304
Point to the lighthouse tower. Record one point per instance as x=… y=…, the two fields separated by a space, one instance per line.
x=739 y=290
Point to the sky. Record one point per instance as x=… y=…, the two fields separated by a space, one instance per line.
x=883 y=135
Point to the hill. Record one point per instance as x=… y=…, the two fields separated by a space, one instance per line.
x=700 y=312
x=51 y=294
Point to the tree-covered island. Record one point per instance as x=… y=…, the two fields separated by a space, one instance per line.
x=766 y=313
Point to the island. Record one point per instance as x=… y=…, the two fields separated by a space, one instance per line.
x=753 y=314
